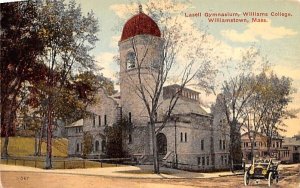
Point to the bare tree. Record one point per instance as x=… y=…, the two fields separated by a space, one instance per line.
x=151 y=71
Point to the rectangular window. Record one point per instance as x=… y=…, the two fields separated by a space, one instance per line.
x=129 y=117
x=220 y=144
x=185 y=137
x=77 y=148
x=199 y=160
x=94 y=120
x=225 y=159
x=129 y=139
x=181 y=137
x=224 y=144
x=203 y=161
x=99 y=121
x=202 y=144
x=207 y=160
x=222 y=160
x=105 y=120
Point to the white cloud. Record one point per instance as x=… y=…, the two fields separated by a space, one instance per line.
x=105 y=60
x=124 y=10
x=256 y=31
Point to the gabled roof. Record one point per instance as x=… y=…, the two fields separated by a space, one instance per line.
x=78 y=123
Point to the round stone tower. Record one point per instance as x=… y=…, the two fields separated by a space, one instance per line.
x=141 y=49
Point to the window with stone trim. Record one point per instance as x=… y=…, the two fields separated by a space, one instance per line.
x=130 y=60
x=97 y=145
x=94 y=120
x=224 y=145
x=202 y=145
x=103 y=145
x=181 y=137
x=129 y=139
x=77 y=147
x=225 y=159
x=99 y=120
x=129 y=117
x=203 y=161
x=207 y=160
x=198 y=160
x=185 y=137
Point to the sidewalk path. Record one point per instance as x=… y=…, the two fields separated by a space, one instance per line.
x=142 y=171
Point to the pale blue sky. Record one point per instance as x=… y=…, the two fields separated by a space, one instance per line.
x=279 y=39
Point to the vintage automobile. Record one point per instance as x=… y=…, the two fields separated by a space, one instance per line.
x=262 y=169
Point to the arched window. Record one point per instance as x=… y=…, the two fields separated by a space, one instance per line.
x=161 y=144
x=97 y=145
x=77 y=147
x=130 y=60
x=103 y=145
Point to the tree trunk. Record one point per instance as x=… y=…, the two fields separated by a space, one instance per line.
x=49 y=137
x=235 y=145
x=269 y=144
x=5 y=146
x=154 y=146
x=7 y=126
x=252 y=149
x=36 y=141
x=41 y=138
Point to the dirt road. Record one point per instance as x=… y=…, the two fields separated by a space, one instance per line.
x=54 y=180
x=26 y=177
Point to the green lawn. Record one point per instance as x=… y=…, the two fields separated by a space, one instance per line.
x=19 y=147
x=24 y=146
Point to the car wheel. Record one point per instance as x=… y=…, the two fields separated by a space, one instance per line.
x=246 y=178
x=270 y=179
x=277 y=178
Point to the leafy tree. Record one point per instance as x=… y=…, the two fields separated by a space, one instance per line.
x=68 y=37
x=87 y=144
x=276 y=92
x=20 y=45
x=235 y=95
x=256 y=103
x=115 y=136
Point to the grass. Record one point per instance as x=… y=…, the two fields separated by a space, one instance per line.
x=19 y=147
x=24 y=146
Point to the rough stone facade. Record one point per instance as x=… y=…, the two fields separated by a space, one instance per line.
x=103 y=113
x=191 y=139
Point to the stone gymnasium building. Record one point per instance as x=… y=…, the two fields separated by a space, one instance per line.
x=190 y=139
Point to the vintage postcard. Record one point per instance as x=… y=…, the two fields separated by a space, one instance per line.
x=150 y=93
